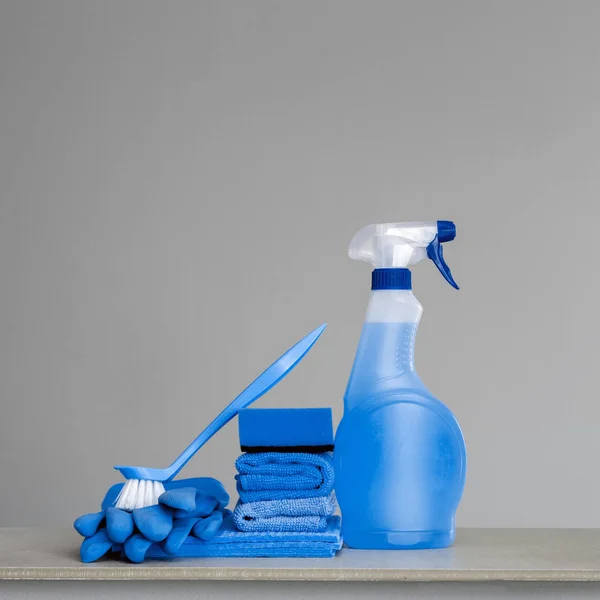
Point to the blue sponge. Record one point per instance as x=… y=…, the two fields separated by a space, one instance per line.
x=286 y=430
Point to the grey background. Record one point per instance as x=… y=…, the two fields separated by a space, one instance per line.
x=179 y=182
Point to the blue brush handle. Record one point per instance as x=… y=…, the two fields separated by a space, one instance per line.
x=262 y=384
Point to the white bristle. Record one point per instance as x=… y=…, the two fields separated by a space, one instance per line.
x=139 y=493
x=149 y=499
x=159 y=489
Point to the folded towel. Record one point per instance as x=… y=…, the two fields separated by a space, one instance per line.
x=276 y=475
x=233 y=543
x=300 y=514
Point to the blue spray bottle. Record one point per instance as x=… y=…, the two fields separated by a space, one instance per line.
x=400 y=456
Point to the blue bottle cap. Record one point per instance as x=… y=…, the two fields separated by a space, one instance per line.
x=391 y=279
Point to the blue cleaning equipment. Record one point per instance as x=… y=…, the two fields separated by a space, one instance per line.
x=154 y=522
x=286 y=430
x=87 y=525
x=400 y=457
x=287 y=514
x=119 y=524
x=144 y=485
x=135 y=548
x=95 y=546
x=276 y=475
x=206 y=529
x=133 y=533
x=233 y=543
x=182 y=528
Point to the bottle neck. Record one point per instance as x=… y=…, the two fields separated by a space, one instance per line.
x=385 y=355
x=393 y=306
x=397 y=312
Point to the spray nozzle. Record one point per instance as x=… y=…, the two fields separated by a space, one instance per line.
x=398 y=245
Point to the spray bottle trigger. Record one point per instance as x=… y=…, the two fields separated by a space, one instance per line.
x=436 y=253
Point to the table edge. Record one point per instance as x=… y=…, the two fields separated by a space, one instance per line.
x=174 y=573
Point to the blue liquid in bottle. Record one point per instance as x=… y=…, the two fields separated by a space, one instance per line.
x=400 y=457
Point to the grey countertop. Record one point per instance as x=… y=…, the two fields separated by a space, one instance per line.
x=478 y=555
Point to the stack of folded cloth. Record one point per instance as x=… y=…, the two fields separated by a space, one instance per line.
x=284 y=491
x=285 y=480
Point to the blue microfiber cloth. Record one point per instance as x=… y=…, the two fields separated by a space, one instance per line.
x=300 y=514
x=286 y=430
x=233 y=543
x=276 y=475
